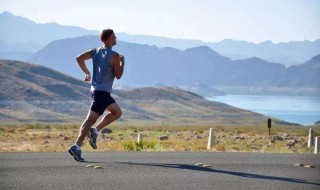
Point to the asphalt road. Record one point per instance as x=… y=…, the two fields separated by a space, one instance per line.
x=135 y=171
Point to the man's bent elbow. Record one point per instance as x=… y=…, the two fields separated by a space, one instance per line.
x=78 y=59
x=119 y=76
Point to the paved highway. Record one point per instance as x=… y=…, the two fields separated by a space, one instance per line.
x=143 y=170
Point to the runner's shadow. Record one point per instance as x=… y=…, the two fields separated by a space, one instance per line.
x=203 y=169
x=95 y=162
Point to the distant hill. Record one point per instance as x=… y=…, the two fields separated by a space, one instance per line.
x=60 y=54
x=161 y=42
x=20 y=34
x=34 y=93
x=287 y=53
x=15 y=55
x=150 y=65
x=202 y=90
x=174 y=106
x=15 y=48
x=306 y=74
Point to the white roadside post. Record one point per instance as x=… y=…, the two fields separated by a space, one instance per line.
x=139 y=137
x=311 y=138
x=211 y=139
x=317 y=145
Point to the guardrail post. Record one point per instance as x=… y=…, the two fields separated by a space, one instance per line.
x=317 y=145
x=139 y=137
x=311 y=138
x=211 y=139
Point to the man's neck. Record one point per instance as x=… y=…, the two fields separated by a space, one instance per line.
x=107 y=46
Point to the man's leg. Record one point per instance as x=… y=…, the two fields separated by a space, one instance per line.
x=115 y=113
x=75 y=149
x=86 y=125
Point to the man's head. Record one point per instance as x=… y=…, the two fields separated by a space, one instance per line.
x=107 y=36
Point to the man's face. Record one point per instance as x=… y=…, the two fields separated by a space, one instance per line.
x=113 y=39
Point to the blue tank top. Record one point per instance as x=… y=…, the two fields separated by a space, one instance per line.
x=103 y=73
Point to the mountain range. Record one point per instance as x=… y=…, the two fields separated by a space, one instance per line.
x=150 y=65
x=14 y=42
x=36 y=93
x=287 y=53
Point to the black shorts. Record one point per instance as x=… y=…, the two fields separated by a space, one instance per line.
x=101 y=100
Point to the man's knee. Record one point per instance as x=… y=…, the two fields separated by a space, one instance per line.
x=117 y=113
x=115 y=110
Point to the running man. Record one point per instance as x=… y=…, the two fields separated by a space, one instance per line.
x=107 y=64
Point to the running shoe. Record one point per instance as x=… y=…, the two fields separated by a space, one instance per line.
x=75 y=153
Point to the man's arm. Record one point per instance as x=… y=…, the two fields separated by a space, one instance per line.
x=118 y=65
x=80 y=59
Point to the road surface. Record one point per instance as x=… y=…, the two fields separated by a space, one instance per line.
x=163 y=170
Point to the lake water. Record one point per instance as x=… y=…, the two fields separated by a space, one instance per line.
x=296 y=109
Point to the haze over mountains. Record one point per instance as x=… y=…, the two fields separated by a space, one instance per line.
x=22 y=35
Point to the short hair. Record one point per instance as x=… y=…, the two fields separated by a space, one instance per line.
x=105 y=34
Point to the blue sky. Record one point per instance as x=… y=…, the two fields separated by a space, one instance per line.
x=207 y=20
